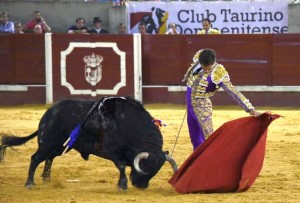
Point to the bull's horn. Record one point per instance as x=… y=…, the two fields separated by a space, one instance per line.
x=138 y=157
x=172 y=162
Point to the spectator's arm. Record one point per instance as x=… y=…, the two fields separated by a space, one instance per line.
x=46 y=27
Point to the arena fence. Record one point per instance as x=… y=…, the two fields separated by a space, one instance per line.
x=47 y=68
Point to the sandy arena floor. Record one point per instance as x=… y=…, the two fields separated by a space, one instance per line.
x=75 y=180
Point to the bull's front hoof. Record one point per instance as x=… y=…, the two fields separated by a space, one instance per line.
x=122 y=184
x=29 y=185
x=122 y=189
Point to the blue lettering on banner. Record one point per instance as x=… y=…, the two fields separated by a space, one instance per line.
x=229 y=16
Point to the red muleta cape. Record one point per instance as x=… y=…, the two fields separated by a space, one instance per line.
x=229 y=160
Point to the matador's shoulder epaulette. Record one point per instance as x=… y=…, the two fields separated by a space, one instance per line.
x=218 y=74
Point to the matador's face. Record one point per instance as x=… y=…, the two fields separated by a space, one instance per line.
x=207 y=68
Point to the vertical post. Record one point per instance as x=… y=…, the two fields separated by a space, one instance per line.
x=48 y=68
x=137 y=58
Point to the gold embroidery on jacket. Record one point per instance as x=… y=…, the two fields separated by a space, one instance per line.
x=218 y=74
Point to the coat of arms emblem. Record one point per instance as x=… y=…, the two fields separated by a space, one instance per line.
x=93 y=68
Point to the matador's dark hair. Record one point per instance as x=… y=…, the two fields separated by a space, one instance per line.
x=207 y=57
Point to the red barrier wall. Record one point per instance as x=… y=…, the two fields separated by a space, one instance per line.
x=76 y=65
x=265 y=60
x=250 y=59
x=286 y=60
x=22 y=59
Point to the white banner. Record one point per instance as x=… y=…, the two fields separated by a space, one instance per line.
x=228 y=17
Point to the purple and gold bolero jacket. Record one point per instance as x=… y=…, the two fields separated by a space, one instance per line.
x=204 y=85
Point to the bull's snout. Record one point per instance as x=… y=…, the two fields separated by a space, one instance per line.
x=138 y=181
x=141 y=186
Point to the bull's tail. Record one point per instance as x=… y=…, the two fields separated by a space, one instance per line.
x=11 y=141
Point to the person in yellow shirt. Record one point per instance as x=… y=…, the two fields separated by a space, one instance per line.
x=207 y=28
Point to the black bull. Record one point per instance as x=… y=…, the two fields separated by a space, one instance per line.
x=118 y=129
